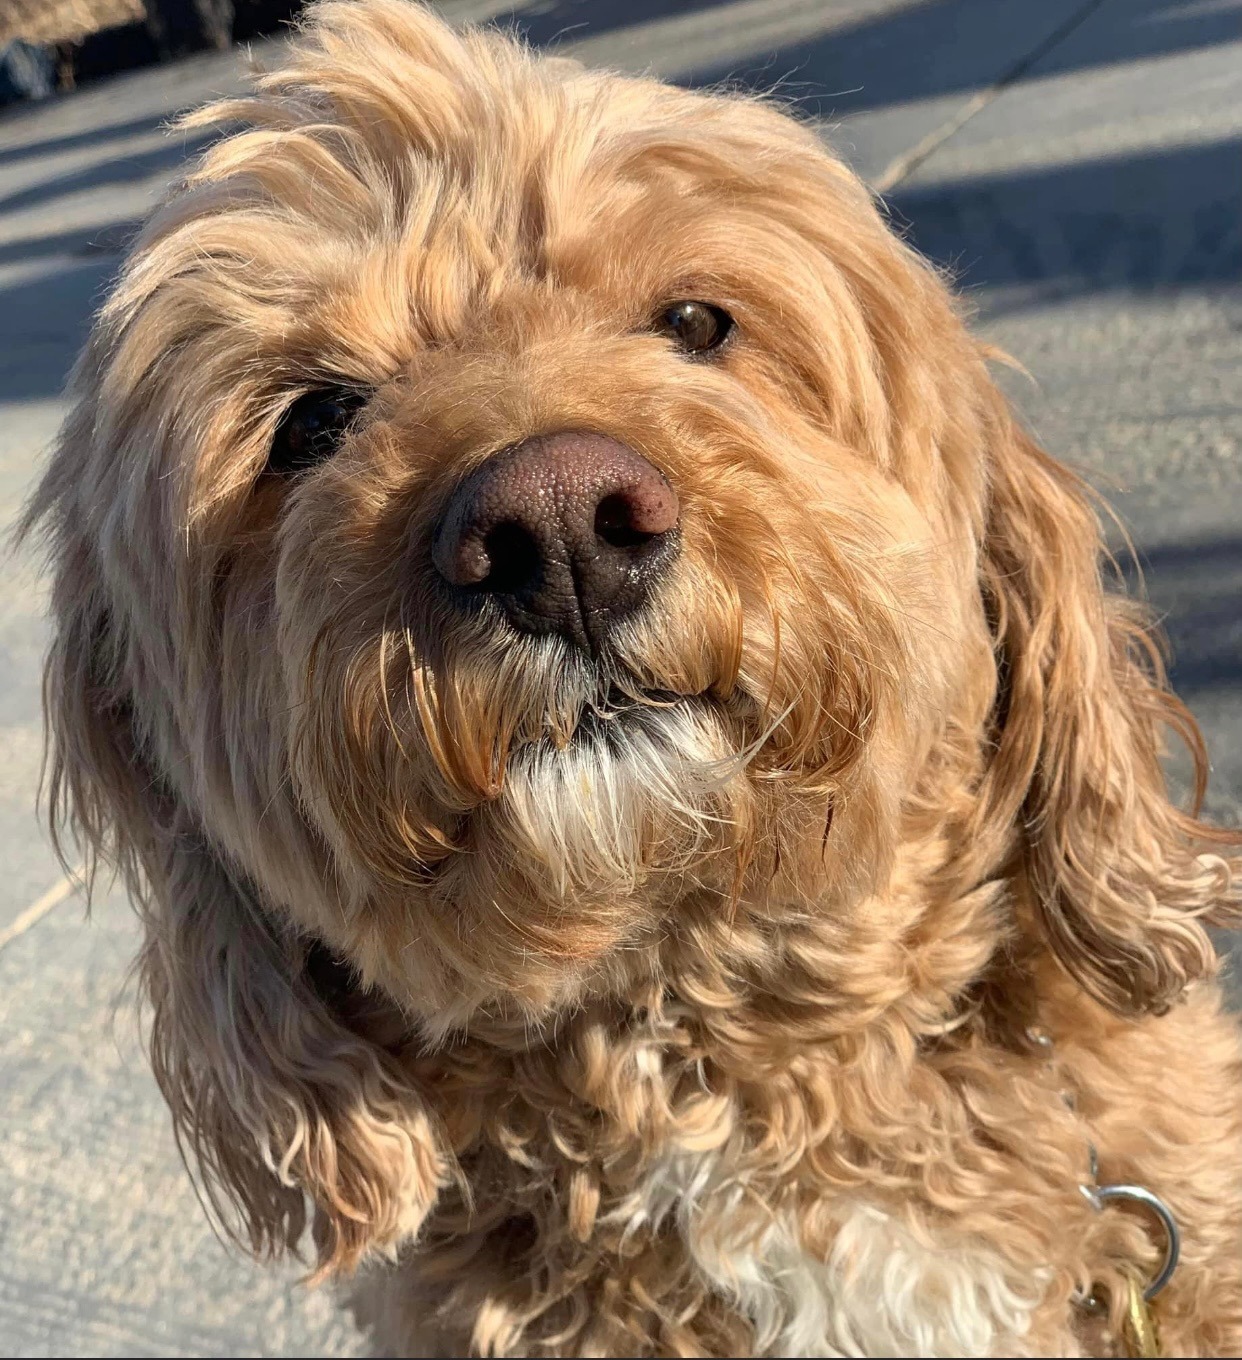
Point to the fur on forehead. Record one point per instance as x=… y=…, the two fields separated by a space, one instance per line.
x=399 y=186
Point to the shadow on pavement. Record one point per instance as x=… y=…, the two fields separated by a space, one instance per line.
x=132 y=165
x=1143 y=221
x=58 y=306
x=74 y=141
x=1197 y=587
x=550 y=24
x=949 y=46
x=109 y=239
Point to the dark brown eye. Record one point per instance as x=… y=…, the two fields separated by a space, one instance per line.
x=695 y=327
x=311 y=429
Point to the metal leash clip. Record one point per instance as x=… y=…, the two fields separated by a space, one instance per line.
x=1142 y=1334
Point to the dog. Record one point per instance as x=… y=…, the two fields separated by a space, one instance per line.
x=649 y=828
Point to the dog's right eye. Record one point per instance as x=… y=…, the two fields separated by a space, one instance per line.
x=311 y=429
x=694 y=327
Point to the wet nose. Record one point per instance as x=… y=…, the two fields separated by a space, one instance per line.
x=567 y=533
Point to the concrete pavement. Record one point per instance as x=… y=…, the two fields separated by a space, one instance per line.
x=1078 y=163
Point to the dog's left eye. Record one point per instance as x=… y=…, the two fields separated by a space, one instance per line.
x=312 y=428
x=696 y=327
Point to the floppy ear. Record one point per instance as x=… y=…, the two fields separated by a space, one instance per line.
x=273 y=1096
x=1118 y=878
x=269 y=1091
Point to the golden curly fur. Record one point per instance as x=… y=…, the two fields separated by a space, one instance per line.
x=700 y=1027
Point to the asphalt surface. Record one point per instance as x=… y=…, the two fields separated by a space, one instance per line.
x=1077 y=162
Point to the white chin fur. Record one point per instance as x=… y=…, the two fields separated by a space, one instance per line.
x=642 y=790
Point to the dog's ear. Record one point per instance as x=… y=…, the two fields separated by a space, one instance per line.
x=274 y=1097
x=1117 y=877
x=271 y=1093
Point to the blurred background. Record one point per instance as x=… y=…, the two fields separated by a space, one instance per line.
x=1078 y=165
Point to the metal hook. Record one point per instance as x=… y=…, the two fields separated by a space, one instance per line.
x=1138 y=1194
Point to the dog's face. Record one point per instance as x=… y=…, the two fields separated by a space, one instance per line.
x=521 y=542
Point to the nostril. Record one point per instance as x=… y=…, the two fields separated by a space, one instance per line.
x=516 y=562
x=614 y=523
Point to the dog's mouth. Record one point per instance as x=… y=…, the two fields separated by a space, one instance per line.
x=623 y=707
x=622 y=711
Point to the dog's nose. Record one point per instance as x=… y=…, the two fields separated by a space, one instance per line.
x=567 y=532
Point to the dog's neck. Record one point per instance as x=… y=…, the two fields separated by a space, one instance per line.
x=778 y=1122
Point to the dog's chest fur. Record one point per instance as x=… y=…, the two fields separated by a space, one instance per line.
x=880 y=1290
x=716 y=1224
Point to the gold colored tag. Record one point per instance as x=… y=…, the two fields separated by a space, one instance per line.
x=1142 y=1337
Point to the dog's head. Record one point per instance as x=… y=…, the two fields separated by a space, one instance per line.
x=514 y=514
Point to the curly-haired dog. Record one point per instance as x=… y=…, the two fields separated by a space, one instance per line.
x=643 y=813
